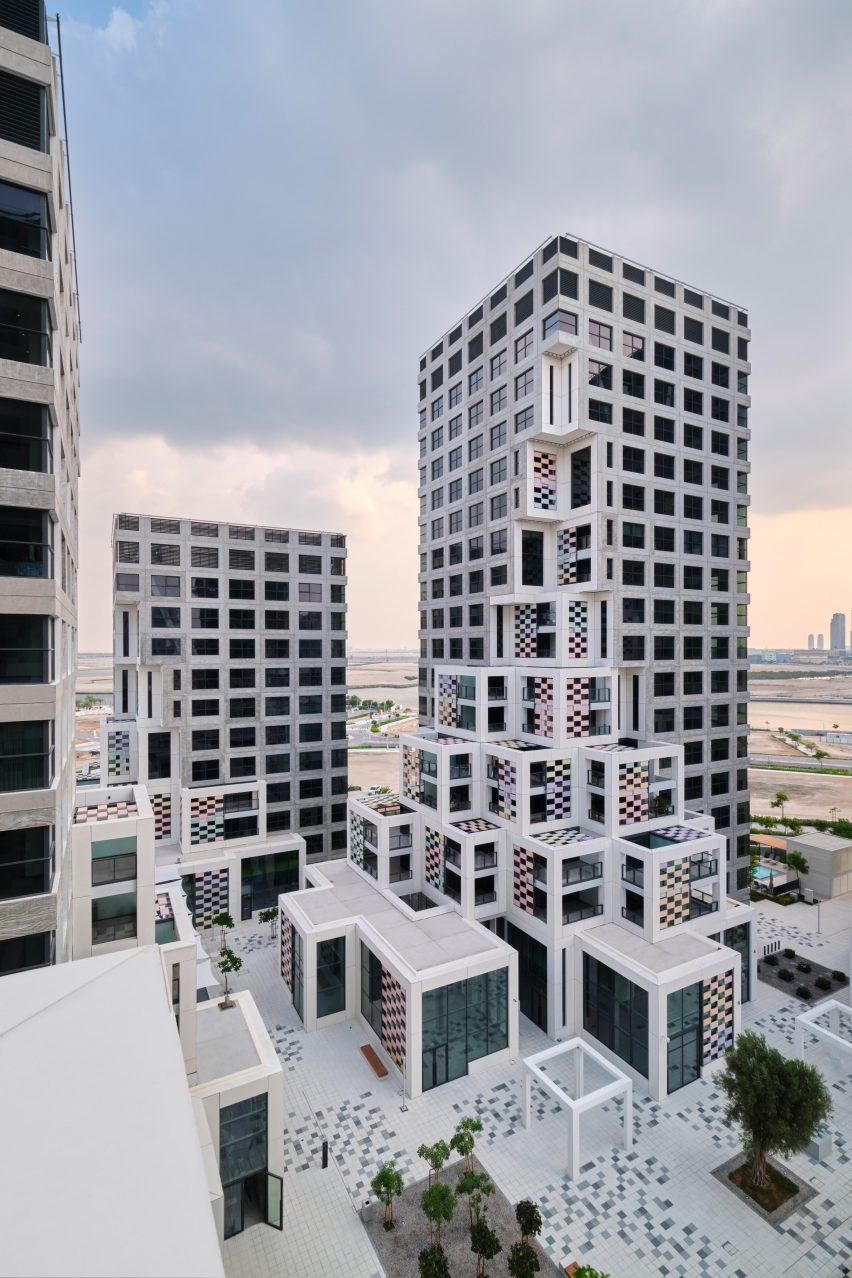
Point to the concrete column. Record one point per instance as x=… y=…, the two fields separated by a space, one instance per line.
x=574 y=1149
x=627 y=1116
x=580 y=1069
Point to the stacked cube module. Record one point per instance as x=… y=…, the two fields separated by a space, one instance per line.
x=583 y=474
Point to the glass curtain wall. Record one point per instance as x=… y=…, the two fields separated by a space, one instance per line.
x=683 y=1016
x=331 y=976
x=615 y=1011
x=371 y=989
x=463 y=1022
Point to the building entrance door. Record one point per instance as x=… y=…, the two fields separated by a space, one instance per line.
x=434 y=1067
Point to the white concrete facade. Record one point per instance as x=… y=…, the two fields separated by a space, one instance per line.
x=39 y=470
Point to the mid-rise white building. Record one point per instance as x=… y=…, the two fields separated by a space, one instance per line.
x=39 y=469
x=230 y=701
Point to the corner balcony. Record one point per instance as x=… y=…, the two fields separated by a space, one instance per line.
x=560 y=335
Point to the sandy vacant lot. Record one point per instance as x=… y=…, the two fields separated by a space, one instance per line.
x=385 y=673
x=809 y=796
x=374 y=767
x=818 y=688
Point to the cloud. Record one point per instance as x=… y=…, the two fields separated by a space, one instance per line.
x=280 y=206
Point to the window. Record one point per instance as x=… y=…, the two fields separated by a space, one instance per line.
x=664 y=319
x=664 y=612
x=664 y=393
x=26 y=862
x=633 y=383
x=600 y=335
x=525 y=419
x=693 y=507
x=524 y=384
x=693 y=330
x=633 y=536
x=693 y=472
x=600 y=295
x=599 y=411
x=664 y=430
x=475 y=481
x=632 y=347
x=499 y=506
x=523 y=346
x=499 y=399
x=633 y=459
x=633 y=497
x=719 y=409
x=600 y=374
x=632 y=572
x=166 y=618
x=664 y=539
x=693 y=436
x=664 y=466
x=664 y=578
x=693 y=366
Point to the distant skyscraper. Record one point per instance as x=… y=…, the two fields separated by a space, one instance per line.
x=838 y=631
x=820 y=641
x=810 y=641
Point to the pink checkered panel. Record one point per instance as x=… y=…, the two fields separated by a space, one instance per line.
x=287 y=952
x=525 y=630
x=578 y=629
x=393 y=1018
x=633 y=801
x=522 y=879
x=544 y=480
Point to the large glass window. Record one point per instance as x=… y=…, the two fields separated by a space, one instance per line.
x=24 y=328
x=242 y=1139
x=297 y=967
x=683 y=1016
x=739 y=939
x=113 y=860
x=615 y=1011
x=24 y=436
x=25 y=549
x=26 y=756
x=25 y=649
x=19 y=953
x=331 y=976
x=532 y=974
x=26 y=861
x=159 y=756
x=113 y=917
x=371 y=989
x=264 y=878
x=463 y=1022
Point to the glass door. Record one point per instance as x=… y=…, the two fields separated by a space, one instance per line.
x=434 y=1067
x=684 y=1034
x=274 y=1201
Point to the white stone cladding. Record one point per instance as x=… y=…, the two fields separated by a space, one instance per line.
x=39 y=470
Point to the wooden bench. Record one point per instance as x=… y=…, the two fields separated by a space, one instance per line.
x=373 y=1060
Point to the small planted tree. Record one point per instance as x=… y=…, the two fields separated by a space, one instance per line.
x=778 y=1103
x=439 y=1205
x=387 y=1185
x=476 y=1186
x=528 y=1217
x=432 y=1263
x=586 y=1271
x=484 y=1244
x=270 y=916
x=796 y=861
x=436 y=1156
x=781 y=797
x=463 y=1139
x=225 y=923
x=229 y=964
x=522 y=1261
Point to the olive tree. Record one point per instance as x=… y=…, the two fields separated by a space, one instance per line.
x=778 y=1103
x=387 y=1185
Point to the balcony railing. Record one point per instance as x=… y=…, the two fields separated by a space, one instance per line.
x=560 y=322
x=118 y=929
x=25 y=452
x=113 y=869
x=596 y=779
x=633 y=915
x=540 y=913
x=540 y=872
x=21 y=234
x=580 y=872
x=460 y=773
x=399 y=844
x=484 y=898
x=26 y=559
x=600 y=730
x=26 y=665
x=452 y=857
x=634 y=875
x=597 y=815
x=24 y=345
x=496 y=725
x=484 y=860
x=497 y=694
x=599 y=695
x=399 y=876
x=574 y=913
x=700 y=903
x=452 y=892
x=459 y=805
x=703 y=867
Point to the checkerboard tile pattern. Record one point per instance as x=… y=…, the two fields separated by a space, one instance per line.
x=633 y=795
x=566 y=557
x=578 y=717
x=163 y=909
x=118 y=755
x=287 y=951
x=211 y=896
x=161 y=806
x=674 y=892
x=522 y=878
x=393 y=1017
x=475 y=826
x=512 y=743
x=544 y=480
x=542 y=710
x=559 y=838
x=411 y=772
x=557 y=790
x=207 y=819
x=526 y=631
x=578 y=629
x=506 y=794
x=718 y=1018
x=447 y=700
x=94 y=812
x=434 y=866
x=681 y=833
x=356 y=838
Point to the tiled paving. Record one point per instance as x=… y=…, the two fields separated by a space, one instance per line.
x=653 y=1211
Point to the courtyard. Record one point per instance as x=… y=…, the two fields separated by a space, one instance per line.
x=653 y=1210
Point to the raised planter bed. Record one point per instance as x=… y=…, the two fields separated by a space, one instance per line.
x=773 y=1215
x=770 y=974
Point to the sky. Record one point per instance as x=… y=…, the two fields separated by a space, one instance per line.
x=280 y=205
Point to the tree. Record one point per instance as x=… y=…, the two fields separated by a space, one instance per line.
x=435 y=1155
x=224 y=922
x=353 y=701
x=269 y=916
x=586 y=1271
x=796 y=861
x=432 y=1263
x=463 y=1139
x=484 y=1243
x=528 y=1217
x=780 y=799
x=374 y=727
x=794 y=826
x=476 y=1186
x=387 y=1185
x=439 y=1204
x=522 y=1261
x=820 y=754
x=778 y=1103
x=228 y=962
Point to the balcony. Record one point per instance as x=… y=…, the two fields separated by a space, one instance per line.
x=599 y=696
x=597 y=814
x=580 y=872
x=398 y=843
x=116 y=929
x=26 y=559
x=113 y=869
x=703 y=867
x=596 y=777
x=452 y=856
x=600 y=730
x=702 y=903
x=460 y=803
x=634 y=875
x=496 y=725
x=484 y=898
x=497 y=694
x=400 y=876
x=452 y=891
x=633 y=915
x=484 y=860
x=578 y=908
x=560 y=334
x=460 y=772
